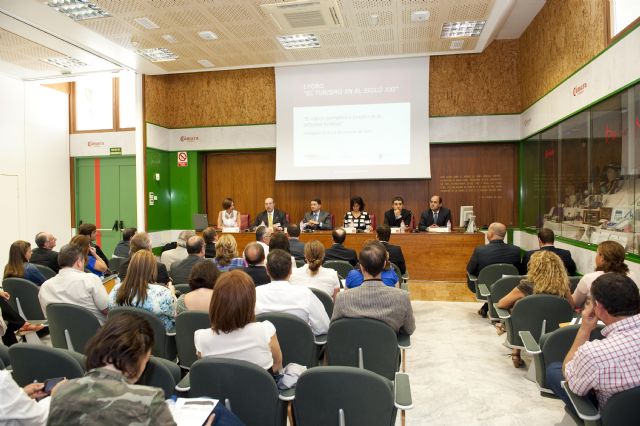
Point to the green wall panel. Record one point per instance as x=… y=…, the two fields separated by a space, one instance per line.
x=185 y=190
x=158 y=215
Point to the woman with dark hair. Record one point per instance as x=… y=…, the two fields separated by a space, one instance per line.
x=313 y=274
x=228 y=217
x=234 y=332
x=357 y=217
x=609 y=258
x=116 y=358
x=92 y=261
x=202 y=279
x=140 y=289
x=18 y=265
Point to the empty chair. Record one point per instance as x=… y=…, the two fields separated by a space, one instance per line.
x=164 y=342
x=182 y=288
x=45 y=271
x=246 y=389
x=35 y=362
x=24 y=298
x=295 y=338
x=186 y=324
x=245 y=220
x=161 y=373
x=326 y=300
x=489 y=275
x=71 y=326
x=498 y=290
x=341 y=266
x=619 y=410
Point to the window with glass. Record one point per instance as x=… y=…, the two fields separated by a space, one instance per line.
x=623 y=15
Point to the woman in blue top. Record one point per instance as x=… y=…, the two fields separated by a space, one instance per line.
x=227 y=254
x=92 y=261
x=19 y=266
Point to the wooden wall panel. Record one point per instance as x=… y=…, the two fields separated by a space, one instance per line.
x=155 y=99
x=561 y=38
x=476 y=84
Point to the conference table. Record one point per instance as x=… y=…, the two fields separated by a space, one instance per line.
x=432 y=256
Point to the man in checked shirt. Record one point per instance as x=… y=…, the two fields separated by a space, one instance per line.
x=610 y=365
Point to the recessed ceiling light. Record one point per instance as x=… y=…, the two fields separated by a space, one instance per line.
x=158 y=54
x=462 y=29
x=374 y=19
x=456 y=44
x=78 y=10
x=169 y=38
x=65 y=62
x=208 y=35
x=420 y=16
x=299 y=41
x=147 y=23
x=206 y=63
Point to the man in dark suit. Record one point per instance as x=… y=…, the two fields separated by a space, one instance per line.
x=397 y=214
x=210 y=236
x=44 y=254
x=181 y=269
x=317 y=218
x=141 y=241
x=546 y=238
x=494 y=252
x=296 y=247
x=254 y=255
x=271 y=217
x=436 y=215
x=338 y=251
x=395 y=252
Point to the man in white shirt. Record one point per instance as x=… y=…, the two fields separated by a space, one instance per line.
x=280 y=296
x=178 y=253
x=73 y=285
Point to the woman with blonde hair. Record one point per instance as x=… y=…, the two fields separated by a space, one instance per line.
x=227 y=254
x=547 y=275
x=18 y=265
x=92 y=261
x=313 y=274
x=139 y=289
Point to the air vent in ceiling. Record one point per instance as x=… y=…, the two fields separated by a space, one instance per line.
x=293 y=16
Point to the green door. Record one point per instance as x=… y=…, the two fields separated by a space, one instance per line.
x=106 y=197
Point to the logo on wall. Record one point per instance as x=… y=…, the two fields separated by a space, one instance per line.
x=189 y=138
x=91 y=143
x=183 y=159
x=579 y=89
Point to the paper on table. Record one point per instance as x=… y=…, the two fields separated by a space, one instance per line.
x=192 y=411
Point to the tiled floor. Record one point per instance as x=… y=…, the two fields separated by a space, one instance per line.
x=440 y=291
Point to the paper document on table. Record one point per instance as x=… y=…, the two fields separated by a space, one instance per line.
x=192 y=411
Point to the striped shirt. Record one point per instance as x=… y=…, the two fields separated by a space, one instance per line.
x=361 y=222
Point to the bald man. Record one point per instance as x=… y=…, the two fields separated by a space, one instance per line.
x=494 y=252
x=271 y=217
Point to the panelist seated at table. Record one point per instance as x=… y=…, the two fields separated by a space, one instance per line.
x=317 y=218
x=435 y=216
x=228 y=217
x=397 y=214
x=357 y=217
x=271 y=217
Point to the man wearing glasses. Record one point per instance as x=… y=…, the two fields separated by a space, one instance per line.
x=44 y=254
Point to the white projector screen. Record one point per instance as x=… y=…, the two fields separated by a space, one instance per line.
x=353 y=120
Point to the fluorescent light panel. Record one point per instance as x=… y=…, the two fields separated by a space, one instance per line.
x=208 y=35
x=158 y=54
x=65 y=62
x=462 y=29
x=147 y=23
x=456 y=44
x=169 y=38
x=78 y=10
x=206 y=63
x=299 y=41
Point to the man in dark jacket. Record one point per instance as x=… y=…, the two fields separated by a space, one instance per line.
x=338 y=251
x=546 y=239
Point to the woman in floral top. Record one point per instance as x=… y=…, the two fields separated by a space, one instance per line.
x=140 y=290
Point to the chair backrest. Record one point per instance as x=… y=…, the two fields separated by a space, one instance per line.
x=326 y=300
x=499 y=289
x=4 y=357
x=621 y=408
x=342 y=267
x=247 y=390
x=372 y=217
x=161 y=373
x=286 y=216
x=164 y=346
x=245 y=220
x=71 y=326
x=186 y=324
x=412 y=223
x=115 y=263
x=573 y=283
x=295 y=338
x=322 y=392
x=182 y=288
x=492 y=273
x=396 y=269
x=299 y=263
x=24 y=293
x=36 y=362
x=350 y=340
x=530 y=312
x=45 y=271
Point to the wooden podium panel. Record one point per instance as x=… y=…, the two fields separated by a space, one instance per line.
x=429 y=256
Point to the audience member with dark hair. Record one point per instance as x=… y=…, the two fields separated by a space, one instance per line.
x=388 y=276
x=546 y=238
x=254 y=257
x=357 y=217
x=228 y=217
x=313 y=274
x=210 y=237
x=395 y=252
x=234 y=332
x=91 y=259
x=202 y=280
x=90 y=230
x=122 y=248
x=141 y=241
x=18 y=265
x=227 y=254
x=338 y=251
x=296 y=247
x=44 y=253
x=181 y=269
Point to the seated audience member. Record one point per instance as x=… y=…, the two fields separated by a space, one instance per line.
x=92 y=261
x=263 y=236
x=355 y=278
x=122 y=248
x=317 y=218
x=228 y=217
x=497 y=251
x=181 y=269
x=271 y=217
x=18 y=265
x=202 y=280
x=180 y=252
x=313 y=274
x=280 y=296
x=547 y=275
x=73 y=285
x=296 y=247
x=609 y=258
x=338 y=251
x=90 y=231
x=116 y=358
x=395 y=252
x=357 y=217
x=397 y=215
x=254 y=256
x=141 y=241
x=44 y=253
x=139 y=289
x=610 y=365
x=210 y=237
x=11 y=321
x=279 y=240
x=546 y=237
x=227 y=254
x=373 y=299
x=234 y=331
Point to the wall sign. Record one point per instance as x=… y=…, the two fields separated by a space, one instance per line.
x=183 y=159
